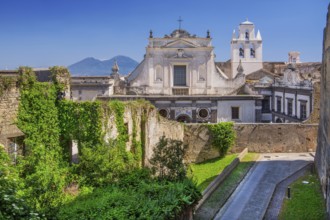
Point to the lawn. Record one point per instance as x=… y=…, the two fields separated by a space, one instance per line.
x=306 y=200
x=219 y=197
x=204 y=173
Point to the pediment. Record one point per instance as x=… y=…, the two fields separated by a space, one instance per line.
x=180 y=44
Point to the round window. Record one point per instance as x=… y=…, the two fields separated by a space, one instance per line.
x=203 y=113
x=163 y=113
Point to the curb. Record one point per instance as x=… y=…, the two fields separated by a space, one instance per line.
x=220 y=178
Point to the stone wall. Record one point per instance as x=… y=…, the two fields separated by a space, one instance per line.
x=9 y=102
x=261 y=138
x=322 y=157
x=149 y=127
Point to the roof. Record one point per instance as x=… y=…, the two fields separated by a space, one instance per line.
x=178 y=33
x=260 y=74
x=247 y=22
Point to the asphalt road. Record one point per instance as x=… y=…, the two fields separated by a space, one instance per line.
x=252 y=196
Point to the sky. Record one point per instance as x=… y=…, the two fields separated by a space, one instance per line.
x=43 y=33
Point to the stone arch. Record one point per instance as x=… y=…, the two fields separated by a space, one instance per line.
x=183 y=118
x=278 y=120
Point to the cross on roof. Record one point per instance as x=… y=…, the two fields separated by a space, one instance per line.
x=180 y=20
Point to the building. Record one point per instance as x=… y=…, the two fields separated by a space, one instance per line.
x=180 y=77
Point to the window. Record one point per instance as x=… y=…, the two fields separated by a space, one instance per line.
x=252 y=51
x=203 y=113
x=241 y=51
x=303 y=110
x=279 y=104
x=234 y=112
x=79 y=92
x=265 y=105
x=180 y=76
x=289 y=107
x=163 y=112
x=247 y=35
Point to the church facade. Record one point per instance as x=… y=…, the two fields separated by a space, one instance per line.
x=179 y=75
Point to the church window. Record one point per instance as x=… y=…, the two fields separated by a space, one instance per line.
x=159 y=74
x=203 y=113
x=234 y=113
x=252 y=51
x=289 y=112
x=163 y=112
x=180 y=75
x=241 y=51
x=279 y=104
x=303 y=110
x=247 y=35
x=265 y=105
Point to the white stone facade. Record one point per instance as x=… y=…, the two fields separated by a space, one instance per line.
x=156 y=73
x=247 y=48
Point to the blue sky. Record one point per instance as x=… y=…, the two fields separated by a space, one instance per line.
x=42 y=33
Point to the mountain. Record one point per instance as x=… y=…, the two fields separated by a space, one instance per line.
x=94 y=67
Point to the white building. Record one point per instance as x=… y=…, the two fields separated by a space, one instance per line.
x=181 y=64
x=247 y=48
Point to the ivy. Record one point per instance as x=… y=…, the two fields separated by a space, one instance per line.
x=223 y=136
x=6 y=82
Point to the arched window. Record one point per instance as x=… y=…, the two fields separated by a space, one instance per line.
x=159 y=74
x=247 y=35
x=252 y=51
x=241 y=51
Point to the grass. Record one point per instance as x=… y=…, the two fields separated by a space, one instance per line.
x=219 y=197
x=204 y=173
x=306 y=200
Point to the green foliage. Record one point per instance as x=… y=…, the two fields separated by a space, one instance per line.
x=167 y=160
x=27 y=77
x=306 y=201
x=204 y=173
x=223 y=136
x=60 y=77
x=13 y=206
x=81 y=121
x=136 y=196
x=44 y=171
x=6 y=82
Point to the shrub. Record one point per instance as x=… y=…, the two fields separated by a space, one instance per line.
x=167 y=160
x=223 y=136
x=13 y=206
x=145 y=199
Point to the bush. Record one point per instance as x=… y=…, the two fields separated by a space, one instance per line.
x=145 y=199
x=13 y=206
x=223 y=136
x=167 y=160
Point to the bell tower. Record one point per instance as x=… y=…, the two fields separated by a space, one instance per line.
x=246 y=47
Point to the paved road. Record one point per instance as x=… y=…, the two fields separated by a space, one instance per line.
x=251 y=198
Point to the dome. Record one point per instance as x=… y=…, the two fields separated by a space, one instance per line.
x=180 y=33
x=247 y=22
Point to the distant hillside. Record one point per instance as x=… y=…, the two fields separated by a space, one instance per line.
x=94 y=67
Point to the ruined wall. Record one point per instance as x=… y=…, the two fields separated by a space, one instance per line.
x=149 y=127
x=261 y=138
x=322 y=157
x=9 y=102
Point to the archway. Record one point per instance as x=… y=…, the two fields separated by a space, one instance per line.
x=183 y=118
x=279 y=120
